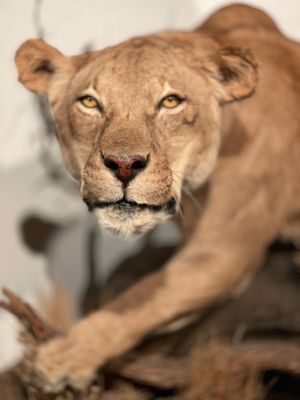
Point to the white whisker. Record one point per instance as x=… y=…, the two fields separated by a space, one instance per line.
x=188 y=192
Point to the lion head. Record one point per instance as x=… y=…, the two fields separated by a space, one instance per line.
x=140 y=121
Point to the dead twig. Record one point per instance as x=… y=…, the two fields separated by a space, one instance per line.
x=27 y=316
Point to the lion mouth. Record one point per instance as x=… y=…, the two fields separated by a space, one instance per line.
x=129 y=206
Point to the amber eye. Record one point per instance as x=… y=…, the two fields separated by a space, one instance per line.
x=89 y=102
x=170 y=101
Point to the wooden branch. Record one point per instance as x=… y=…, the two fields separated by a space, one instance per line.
x=154 y=370
x=27 y=316
x=265 y=355
x=164 y=372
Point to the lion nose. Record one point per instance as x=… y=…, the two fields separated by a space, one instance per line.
x=125 y=168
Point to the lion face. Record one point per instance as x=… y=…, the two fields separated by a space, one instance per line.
x=139 y=122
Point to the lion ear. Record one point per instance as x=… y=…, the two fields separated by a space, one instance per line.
x=235 y=72
x=37 y=62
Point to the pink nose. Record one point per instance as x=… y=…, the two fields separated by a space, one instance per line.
x=125 y=168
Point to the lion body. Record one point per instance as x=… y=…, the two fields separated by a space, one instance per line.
x=261 y=135
x=228 y=154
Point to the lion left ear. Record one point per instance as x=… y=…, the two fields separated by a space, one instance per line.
x=235 y=72
x=37 y=64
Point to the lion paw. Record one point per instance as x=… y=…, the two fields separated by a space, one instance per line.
x=65 y=362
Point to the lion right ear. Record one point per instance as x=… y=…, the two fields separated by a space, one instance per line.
x=234 y=71
x=37 y=62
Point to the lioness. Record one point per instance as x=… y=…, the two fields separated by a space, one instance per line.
x=154 y=123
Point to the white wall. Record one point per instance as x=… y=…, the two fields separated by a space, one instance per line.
x=70 y=25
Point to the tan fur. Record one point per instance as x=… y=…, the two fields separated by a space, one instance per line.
x=239 y=160
x=56 y=310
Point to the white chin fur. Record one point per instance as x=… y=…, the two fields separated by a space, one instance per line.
x=129 y=223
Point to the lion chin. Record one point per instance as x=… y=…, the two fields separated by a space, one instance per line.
x=129 y=223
